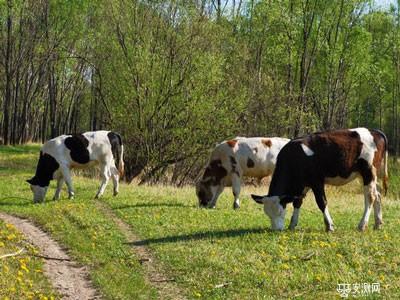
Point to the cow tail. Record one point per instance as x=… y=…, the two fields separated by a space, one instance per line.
x=121 y=165
x=385 y=167
x=117 y=150
x=120 y=157
x=385 y=176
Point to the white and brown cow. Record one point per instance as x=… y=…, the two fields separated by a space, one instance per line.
x=333 y=157
x=233 y=159
x=63 y=153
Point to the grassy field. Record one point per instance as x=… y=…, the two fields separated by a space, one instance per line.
x=21 y=275
x=212 y=254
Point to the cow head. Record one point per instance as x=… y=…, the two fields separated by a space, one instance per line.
x=273 y=209
x=205 y=194
x=39 y=192
x=211 y=185
x=45 y=170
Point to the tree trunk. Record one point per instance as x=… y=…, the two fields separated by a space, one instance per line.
x=8 y=85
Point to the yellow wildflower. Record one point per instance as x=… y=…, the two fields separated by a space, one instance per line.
x=285 y=266
x=10 y=226
x=23 y=267
x=11 y=236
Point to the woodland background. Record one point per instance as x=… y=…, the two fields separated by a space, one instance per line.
x=175 y=77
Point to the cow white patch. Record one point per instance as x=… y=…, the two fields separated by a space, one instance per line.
x=38 y=193
x=307 y=150
x=328 y=218
x=369 y=146
x=338 y=181
x=295 y=218
x=275 y=211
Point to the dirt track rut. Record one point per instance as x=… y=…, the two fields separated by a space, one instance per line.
x=67 y=277
x=155 y=275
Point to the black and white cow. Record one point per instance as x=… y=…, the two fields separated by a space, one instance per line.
x=333 y=157
x=232 y=160
x=63 y=153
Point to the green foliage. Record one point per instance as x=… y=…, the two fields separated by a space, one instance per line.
x=176 y=77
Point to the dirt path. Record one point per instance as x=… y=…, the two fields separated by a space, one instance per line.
x=155 y=276
x=69 y=279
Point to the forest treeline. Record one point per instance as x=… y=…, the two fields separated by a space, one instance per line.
x=175 y=77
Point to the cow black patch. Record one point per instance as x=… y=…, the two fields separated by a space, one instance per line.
x=234 y=164
x=214 y=172
x=116 y=143
x=78 y=144
x=250 y=163
x=336 y=154
x=45 y=169
x=233 y=161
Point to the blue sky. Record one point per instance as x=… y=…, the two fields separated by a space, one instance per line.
x=385 y=3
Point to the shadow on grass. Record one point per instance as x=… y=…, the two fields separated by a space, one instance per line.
x=8 y=201
x=144 y=204
x=200 y=236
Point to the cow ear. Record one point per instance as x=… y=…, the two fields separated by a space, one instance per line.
x=32 y=181
x=232 y=143
x=258 y=199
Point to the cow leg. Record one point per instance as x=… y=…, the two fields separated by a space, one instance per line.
x=105 y=176
x=115 y=178
x=66 y=173
x=320 y=198
x=296 y=209
x=294 y=220
x=60 y=182
x=369 y=198
x=378 y=211
x=236 y=190
x=218 y=192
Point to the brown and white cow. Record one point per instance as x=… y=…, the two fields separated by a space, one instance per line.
x=63 y=153
x=233 y=159
x=333 y=157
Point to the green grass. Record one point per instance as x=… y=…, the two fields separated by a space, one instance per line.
x=92 y=239
x=202 y=248
x=21 y=275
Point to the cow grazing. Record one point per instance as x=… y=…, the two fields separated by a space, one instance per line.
x=333 y=157
x=233 y=159
x=61 y=154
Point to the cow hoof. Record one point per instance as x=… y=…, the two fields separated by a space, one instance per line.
x=115 y=194
x=377 y=226
x=236 y=206
x=362 y=227
x=329 y=229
